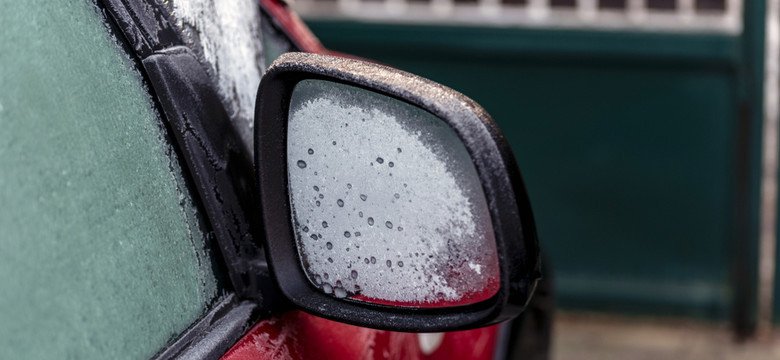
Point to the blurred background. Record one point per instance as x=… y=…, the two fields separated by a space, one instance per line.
x=646 y=131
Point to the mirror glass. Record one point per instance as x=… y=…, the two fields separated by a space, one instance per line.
x=386 y=203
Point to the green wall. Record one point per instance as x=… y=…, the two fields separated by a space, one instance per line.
x=628 y=142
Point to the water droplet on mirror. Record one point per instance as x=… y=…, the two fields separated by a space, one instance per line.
x=347 y=234
x=357 y=233
x=305 y=229
x=316 y=188
x=371 y=221
x=313 y=237
x=360 y=214
x=324 y=224
x=301 y=164
x=373 y=260
x=311 y=151
x=334 y=143
x=363 y=197
x=400 y=228
x=340 y=202
x=329 y=246
x=349 y=186
x=400 y=264
x=389 y=224
x=366 y=260
x=330 y=260
x=389 y=263
x=354 y=274
x=327 y=288
x=340 y=292
x=380 y=160
x=325 y=275
x=390 y=164
x=321 y=196
x=317 y=279
x=318 y=203
x=397 y=195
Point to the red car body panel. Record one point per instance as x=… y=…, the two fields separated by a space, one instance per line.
x=297 y=335
x=293 y=26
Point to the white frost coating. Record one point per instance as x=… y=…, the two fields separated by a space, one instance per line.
x=386 y=201
x=476 y=267
x=227 y=36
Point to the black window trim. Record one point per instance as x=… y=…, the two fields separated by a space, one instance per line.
x=214 y=333
x=220 y=170
x=201 y=130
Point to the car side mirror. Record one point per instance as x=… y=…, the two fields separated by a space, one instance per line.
x=389 y=201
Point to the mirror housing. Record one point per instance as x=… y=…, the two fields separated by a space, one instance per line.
x=505 y=196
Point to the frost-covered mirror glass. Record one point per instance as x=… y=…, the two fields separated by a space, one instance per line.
x=387 y=206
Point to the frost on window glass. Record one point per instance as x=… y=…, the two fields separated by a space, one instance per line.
x=226 y=35
x=387 y=205
x=103 y=250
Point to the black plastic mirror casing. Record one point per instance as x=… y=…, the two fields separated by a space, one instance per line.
x=510 y=210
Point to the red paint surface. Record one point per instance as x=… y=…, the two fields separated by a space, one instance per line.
x=298 y=31
x=297 y=335
x=293 y=26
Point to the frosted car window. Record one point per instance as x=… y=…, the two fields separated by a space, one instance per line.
x=226 y=35
x=103 y=255
x=387 y=205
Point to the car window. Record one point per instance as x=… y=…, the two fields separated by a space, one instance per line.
x=104 y=254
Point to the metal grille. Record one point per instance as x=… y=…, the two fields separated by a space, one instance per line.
x=721 y=16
